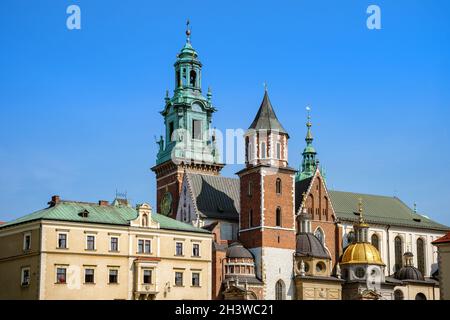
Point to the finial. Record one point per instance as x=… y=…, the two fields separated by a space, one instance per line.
x=188 y=31
x=360 y=210
x=265 y=86
x=209 y=94
x=303 y=199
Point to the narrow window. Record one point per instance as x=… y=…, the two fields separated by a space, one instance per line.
x=90 y=245
x=147 y=276
x=140 y=246
x=179 y=249
x=278 y=150
x=278 y=186
x=421 y=256
x=398 y=246
x=147 y=246
x=113 y=276
x=375 y=241
x=197 y=129
x=179 y=279
x=171 y=130
x=62 y=241
x=89 y=276
x=196 y=279
x=193 y=78
x=250 y=218
x=60 y=275
x=279 y=290
x=114 y=244
x=196 y=250
x=250 y=189
x=25 y=277
x=27 y=242
x=263 y=150
x=278 y=217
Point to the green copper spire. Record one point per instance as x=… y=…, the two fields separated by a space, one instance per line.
x=187 y=114
x=309 y=164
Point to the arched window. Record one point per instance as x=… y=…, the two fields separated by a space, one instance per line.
x=398 y=295
x=278 y=217
x=250 y=218
x=144 y=220
x=279 y=290
x=193 y=78
x=278 y=186
x=398 y=246
x=263 y=150
x=421 y=296
x=319 y=235
x=350 y=237
x=375 y=241
x=421 y=255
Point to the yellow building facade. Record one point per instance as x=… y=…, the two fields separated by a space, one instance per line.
x=74 y=250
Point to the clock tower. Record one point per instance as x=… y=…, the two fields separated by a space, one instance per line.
x=188 y=143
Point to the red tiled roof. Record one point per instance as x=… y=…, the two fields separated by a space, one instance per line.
x=1 y=222
x=444 y=239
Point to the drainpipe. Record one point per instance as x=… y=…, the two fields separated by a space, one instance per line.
x=388 y=251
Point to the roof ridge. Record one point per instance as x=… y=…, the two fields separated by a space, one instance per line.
x=365 y=194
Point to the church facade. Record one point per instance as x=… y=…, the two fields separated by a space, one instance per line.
x=280 y=233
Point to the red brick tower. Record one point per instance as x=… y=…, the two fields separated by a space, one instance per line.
x=267 y=216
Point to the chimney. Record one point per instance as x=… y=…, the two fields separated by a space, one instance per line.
x=55 y=200
x=103 y=203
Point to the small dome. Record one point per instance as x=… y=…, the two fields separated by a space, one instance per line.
x=409 y=273
x=237 y=250
x=309 y=245
x=361 y=252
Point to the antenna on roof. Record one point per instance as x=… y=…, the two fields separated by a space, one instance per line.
x=121 y=195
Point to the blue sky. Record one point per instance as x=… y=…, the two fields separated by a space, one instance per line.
x=79 y=109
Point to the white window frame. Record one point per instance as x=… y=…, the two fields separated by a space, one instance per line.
x=22 y=278
x=84 y=275
x=67 y=240
x=182 y=249
x=25 y=235
x=199 y=251
x=95 y=242
x=110 y=244
x=152 y=273
x=109 y=273
x=56 y=274
x=199 y=278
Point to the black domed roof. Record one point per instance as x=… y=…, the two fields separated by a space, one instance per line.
x=409 y=273
x=237 y=250
x=309 y=245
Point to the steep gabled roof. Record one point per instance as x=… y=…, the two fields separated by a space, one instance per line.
x=101 y=214
x=266 y=117
x=215 y=196
x=380 y=210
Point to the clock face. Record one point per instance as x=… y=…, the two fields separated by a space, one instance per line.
x=166 y=204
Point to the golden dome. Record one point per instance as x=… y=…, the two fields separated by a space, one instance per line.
x=362 y=252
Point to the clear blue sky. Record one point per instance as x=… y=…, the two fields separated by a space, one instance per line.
x=79 y=109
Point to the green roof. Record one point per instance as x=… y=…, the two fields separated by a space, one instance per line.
x=109 y=214
x=380 y=210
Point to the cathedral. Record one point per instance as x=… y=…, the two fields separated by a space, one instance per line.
x=280 y=233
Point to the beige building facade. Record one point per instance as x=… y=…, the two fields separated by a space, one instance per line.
x=443 y=245
x=78 y=255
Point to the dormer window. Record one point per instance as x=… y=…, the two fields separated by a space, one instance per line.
x=84 y=214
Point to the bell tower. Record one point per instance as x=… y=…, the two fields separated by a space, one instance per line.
x=267 y=215
x=188 y=143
